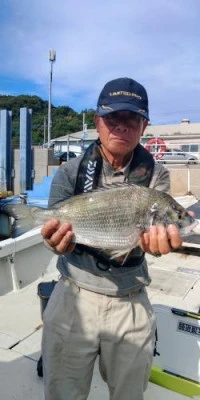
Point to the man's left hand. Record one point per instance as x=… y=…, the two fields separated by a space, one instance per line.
x=161 y=240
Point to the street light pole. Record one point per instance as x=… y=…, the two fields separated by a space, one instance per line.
x=52 y=59
x=45 y=125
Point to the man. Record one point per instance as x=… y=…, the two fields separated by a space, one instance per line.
x=99 y=306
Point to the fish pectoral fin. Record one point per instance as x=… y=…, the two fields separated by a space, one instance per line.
x=154 y=208
x=153 y=212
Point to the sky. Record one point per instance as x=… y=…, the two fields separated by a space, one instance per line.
x=156 y=42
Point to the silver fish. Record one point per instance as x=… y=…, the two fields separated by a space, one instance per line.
x=111 y=218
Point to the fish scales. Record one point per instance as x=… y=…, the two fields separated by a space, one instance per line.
x=101 y=218
x=116 y=217
x=111 y=218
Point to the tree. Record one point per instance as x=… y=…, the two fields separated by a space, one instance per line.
x=64 y=119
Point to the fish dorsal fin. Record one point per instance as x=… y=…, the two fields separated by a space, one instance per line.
x=104 y=188
x=120 y=184
x=59 y=204
x=109 y=186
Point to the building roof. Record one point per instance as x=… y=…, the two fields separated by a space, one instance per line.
x=184 y=128
x=91 y=135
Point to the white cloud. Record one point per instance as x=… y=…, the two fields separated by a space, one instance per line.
x=155 y=42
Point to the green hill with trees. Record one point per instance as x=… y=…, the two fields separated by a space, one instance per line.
x=64 y=119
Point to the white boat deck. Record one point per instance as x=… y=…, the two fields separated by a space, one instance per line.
x=21 y=326
x=20 y=346
x=175 y=283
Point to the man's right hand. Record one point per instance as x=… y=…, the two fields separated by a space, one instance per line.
x=58 y=236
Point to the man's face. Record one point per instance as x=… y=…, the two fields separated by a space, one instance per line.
x=120 y=131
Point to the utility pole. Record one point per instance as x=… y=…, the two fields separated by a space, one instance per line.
x=45 y=123
x=84 y=132
x=52 y=59
x=83 y=121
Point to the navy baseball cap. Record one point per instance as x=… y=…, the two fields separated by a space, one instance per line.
x=123 y=94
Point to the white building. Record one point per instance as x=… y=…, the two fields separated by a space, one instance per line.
x=76 y=142
x=184 y=136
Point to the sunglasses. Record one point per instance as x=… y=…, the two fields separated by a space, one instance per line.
x=129 y=118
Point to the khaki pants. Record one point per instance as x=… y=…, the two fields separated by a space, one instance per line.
x=77 y=324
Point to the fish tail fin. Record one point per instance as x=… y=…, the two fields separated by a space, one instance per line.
x=22 y=218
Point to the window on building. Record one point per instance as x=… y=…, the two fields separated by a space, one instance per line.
x=194 y=147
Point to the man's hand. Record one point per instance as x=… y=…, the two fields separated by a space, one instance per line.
x=58 y=237
x=160 y=240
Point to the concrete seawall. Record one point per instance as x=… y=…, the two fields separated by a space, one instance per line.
x=185 y=179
